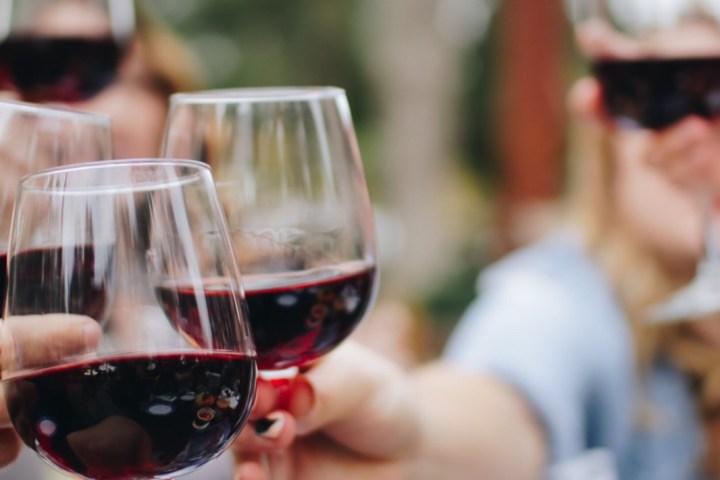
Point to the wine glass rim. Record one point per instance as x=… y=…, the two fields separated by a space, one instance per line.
x=111 y=164
x=258 y=94
x=55 y=111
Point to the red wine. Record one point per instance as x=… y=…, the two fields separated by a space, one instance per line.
x=66 y=69
x=134 y=416
x=180 y=304
x=295 y=318
x=72 y=279
x=654 y=93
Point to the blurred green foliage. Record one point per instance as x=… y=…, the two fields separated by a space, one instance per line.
x=478 y=125
x=249 y=43
x=245 y=43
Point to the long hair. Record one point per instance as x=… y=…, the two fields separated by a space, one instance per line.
x=638 y=276
x=170 y=65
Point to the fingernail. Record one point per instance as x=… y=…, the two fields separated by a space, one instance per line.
x=91 y=335
x=303 y=397
x=270 y=426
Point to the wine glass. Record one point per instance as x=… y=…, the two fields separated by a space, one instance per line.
x=658 y=63
x=140 y=247
x=290 y=179
x=33 y=137
x=62 y=50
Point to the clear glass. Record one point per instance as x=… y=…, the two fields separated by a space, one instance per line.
x=62 y=50
x=290 y=179
x=291 y=183
x=142 y=248
x=659 y=62
x=33 y=137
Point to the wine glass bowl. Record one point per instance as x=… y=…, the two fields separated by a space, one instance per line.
x=138 y=246
x=290 y=180
x=656 y=66
x=63 y=50
x=33 y=137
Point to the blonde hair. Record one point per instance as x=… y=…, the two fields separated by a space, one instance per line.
x=637 y=275
x=634 y=272
x=169 y=66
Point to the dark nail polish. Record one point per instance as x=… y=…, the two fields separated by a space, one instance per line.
x=270 y=426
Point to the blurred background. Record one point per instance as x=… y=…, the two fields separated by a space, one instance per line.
x=459 y=108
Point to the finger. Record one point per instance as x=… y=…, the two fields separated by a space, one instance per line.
x=293 y=395
x=250 y=470
x=301 y=397
x=10 y=446
x=9 y=95
x=362 y=401
x=674 y=141
x=702 y=159
x=714 y=176
x=4 y=416
x=695 y=169
x=265 y=400
x=686 y=152
x=34 y=340
x=274 y=432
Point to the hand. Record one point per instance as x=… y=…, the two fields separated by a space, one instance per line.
x=352 y=416
x=356 y=415
x=687 y=152
x=33 y=340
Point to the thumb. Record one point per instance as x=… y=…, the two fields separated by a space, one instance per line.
x=35 y=340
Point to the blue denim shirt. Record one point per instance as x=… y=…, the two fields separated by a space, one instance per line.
x=546 y=321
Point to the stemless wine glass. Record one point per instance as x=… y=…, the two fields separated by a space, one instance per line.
x=290 y=179
x=138 y=246
x=33 y=137
x=62 y=50
x=657 y=63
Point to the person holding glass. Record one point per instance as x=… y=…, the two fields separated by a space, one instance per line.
x=106 y=57
x=560 y=369
x=146 y=404
x=34 y=137
x=102 y=56
x=290 y=180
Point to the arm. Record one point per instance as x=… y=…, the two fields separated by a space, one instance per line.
x=512 y=397
x=381 y=422
x=474 y=427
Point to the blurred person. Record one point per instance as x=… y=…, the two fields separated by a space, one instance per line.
x=131 y=83
x=155 y=66
x=554 y=371
x=134 y=92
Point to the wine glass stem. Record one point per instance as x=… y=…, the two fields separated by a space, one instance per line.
x=710 y=263
x=275 y=462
